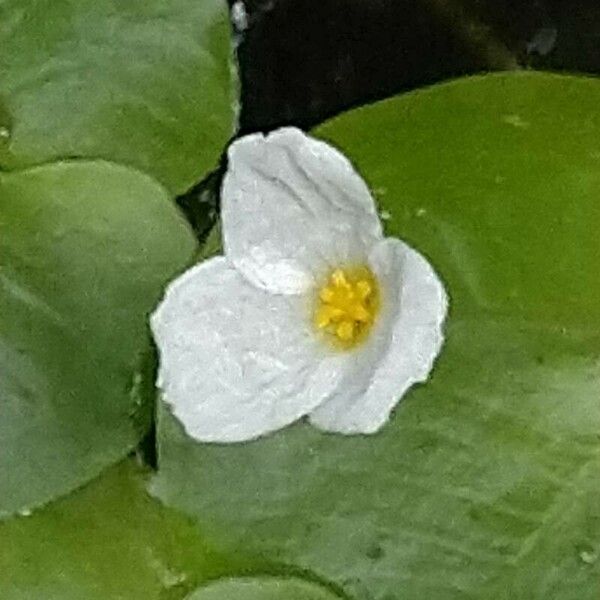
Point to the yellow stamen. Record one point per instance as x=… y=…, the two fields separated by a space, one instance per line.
x=327 y=314
x=345 y=330
x=347 y=306
x=326 y=294
x=363 y=288
x=359 y=313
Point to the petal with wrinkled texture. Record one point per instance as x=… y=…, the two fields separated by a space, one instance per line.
x=237 y=362
x=293 y=208
x=401 y=348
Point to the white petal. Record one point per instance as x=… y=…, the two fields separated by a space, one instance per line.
x=293 y=206
x=237 y=362
x=402 y=346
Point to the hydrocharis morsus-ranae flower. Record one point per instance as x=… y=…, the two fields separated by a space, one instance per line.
x=310 y=312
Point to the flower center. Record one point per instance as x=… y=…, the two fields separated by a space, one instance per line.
x=347 y=306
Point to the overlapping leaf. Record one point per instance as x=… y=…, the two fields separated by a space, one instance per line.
x=108 y=541
x=85 y=250
x=485 y=484
x=145 y=83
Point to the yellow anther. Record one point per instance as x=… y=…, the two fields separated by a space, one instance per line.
x=338 y=279
x=327 y=314
x=326 y=294
x=363 y=289
x=359 y=313
x=345 y=330
x=347 y=306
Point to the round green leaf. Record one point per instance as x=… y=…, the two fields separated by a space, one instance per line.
x=261 y=588
x=85 y=250
x=108 y=541
x=146 y=83
x=111 y=541
x=485 y=483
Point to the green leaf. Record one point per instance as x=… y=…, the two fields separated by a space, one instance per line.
x=261 y=588
x=146 y=83
x=85 y=250
x=111 y=541
x=108 y=541
x=485 y=483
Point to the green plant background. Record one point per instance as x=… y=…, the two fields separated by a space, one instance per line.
x=484 y=484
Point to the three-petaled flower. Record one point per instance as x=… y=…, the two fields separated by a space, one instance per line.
x=310 y=312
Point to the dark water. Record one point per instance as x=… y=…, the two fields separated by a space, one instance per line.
x=304 y=60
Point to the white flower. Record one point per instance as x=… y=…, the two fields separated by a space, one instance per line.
x=311 y=311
